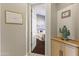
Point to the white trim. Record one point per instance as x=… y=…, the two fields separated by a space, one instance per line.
x=29 y=26
x=27 y=17
x=48 y=30
x=0 y=29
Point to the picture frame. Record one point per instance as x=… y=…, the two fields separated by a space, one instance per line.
x=66 y=14
x=13 y=18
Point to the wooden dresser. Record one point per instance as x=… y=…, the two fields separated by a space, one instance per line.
x=65 y=48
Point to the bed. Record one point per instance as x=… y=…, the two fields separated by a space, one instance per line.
x=40 y=47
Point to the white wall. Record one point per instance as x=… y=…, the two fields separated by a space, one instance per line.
x=34 y=26
x=41 y=21
x=69 y=21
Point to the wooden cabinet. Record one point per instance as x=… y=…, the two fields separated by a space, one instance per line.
x=56 y=48
x=70 y=50
x=65 y=48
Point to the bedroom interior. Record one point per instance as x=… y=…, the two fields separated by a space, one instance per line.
x=38 y=29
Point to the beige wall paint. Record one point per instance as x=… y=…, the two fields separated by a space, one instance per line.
x=13 y=41
x=0 y=29
x=54 y=8
x=53 y=20
x=69 y=21
x=62 y=5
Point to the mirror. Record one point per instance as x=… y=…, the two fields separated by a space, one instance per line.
x=38 y=28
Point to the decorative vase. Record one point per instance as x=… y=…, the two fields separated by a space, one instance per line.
x=65 y=32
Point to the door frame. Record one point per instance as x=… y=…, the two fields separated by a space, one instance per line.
x=0 y=29
x=48 y=31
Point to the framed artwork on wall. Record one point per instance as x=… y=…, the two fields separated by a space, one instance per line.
x=66 y=14
x=13 y=18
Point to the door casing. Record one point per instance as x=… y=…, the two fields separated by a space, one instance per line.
x=48 y=30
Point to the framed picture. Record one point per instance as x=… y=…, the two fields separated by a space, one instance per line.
x=66 y=14
x=13 y=18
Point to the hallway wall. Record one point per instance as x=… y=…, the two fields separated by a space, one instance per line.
x=53 y=20
x=69 y=21
x=13 y=41
x=0 y=29
x=55 y=7
x=62 y=5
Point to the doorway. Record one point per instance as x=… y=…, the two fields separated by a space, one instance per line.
x=39 y=29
